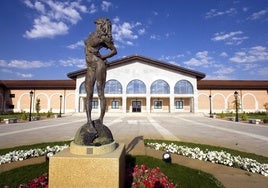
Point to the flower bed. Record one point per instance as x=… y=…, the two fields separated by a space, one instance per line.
x=221 y=157
x=20 y=155
x=141 y=176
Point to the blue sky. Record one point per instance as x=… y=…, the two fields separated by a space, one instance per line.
x=225 y=39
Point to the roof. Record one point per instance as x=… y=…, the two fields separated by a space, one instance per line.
x=38 y=84
x=233 y=84
x=146 y=60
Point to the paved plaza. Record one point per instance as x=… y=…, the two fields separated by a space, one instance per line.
x=128 y=127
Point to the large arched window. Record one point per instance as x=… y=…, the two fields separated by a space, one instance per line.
x=82 y=89
x=113 y=87
x=183 y=87
x=160 y=87
x=136 y=87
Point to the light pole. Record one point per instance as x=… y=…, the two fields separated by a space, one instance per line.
x=236 y=105
x=210 y=110
x=60 y=104
x=31 y=99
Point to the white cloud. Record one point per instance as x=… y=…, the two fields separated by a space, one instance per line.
x=230 y=38
x=92 y=8
x=259 y=15
x=224 y=54
x=224 y=70
x=214 y=12
x=254 y=54
x=73 y=62
x=155 y=37
x=200 y=59
x=3 y=63
x=54 y=17
x=24 y=75
x=44 y=27
x=76 y=45
x=126 y=31
x=105 y=5
x=24 y=64
x=21 y=75
x=263 y=72
x=141 y=31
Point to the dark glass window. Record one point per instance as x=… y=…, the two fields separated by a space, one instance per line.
x=95 y=104
x=157 y=104
x=179 y=104
x=115 y=104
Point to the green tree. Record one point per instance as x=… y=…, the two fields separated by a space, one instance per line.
x=37 y=106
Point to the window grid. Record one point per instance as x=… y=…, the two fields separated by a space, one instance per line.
x=160 y=87
x=179 y=104
x=157 y=104
x=115 y=105
x=95 y=104
x=136 y=87
x=183 y=87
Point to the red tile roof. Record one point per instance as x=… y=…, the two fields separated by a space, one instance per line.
x=38 y=84
x=233 y=84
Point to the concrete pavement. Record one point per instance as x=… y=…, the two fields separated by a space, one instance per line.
x=126 y=127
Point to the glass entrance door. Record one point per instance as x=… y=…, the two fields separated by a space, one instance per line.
x=136 y=106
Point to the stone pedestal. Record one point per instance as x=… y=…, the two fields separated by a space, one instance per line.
x=105 y=170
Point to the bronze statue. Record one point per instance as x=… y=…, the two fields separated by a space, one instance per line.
x=96 y=65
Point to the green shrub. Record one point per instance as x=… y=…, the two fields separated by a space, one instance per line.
x=24 y=116
x=265 y=120
x=244 y=117
x=222 y=115
x=49 y=114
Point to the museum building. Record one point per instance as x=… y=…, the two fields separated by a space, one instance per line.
x=137 y=84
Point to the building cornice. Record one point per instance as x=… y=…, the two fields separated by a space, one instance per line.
x=146 y=60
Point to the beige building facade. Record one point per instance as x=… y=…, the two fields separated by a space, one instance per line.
x=137 y=84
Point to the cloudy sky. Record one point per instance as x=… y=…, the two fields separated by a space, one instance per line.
x=225 y=39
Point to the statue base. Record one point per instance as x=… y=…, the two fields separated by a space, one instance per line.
x=105 y=170
x=92 y=150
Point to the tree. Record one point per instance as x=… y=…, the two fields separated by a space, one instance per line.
x=266 y=107
x=37 y=106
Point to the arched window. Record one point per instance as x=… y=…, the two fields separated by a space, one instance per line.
x=82 y=89
x=136 y=87
x=183 y=87
x=160 y=87
x=113 y=87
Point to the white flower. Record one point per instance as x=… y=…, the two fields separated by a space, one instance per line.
x=20 y=155
x=221 y=157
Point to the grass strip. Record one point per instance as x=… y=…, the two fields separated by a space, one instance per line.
x=25 y=174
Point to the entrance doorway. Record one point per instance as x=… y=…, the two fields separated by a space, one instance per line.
x=136 y=106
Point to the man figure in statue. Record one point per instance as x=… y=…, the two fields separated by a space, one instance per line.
x=96 y=65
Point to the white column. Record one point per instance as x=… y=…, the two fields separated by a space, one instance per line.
x=171 y=102
x=148 y=103
x=124 y=103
